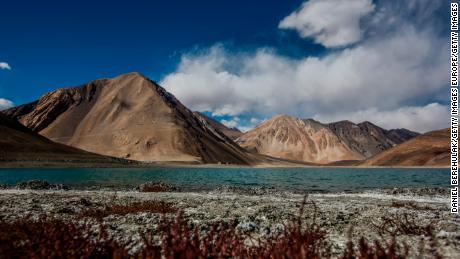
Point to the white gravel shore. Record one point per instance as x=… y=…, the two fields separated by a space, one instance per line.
x=261 y=214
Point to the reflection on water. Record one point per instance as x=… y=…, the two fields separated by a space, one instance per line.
x=310 y=179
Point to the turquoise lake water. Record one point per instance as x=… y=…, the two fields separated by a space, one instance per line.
x=294 y=179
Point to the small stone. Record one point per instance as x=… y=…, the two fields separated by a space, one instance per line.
x=34 y=185
x=65 y=210
x=157 y=187
x=85 y=202
x=247 y=226
x=40 y=185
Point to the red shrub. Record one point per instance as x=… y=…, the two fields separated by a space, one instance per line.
x=52 y=238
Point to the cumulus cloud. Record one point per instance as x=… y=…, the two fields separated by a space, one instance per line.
x=383 y=74
x=421 y=119
x=4 y=65
x=255 y=121
x=234 y=122
x=332 y=23
x=5 y=104
x=394 y=71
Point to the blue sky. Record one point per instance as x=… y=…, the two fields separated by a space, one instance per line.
x=53 y=44
x=241 y=61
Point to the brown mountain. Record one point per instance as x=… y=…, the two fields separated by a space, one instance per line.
x=311 y=141
x=429 y=149
x=232 y=133
x=303 y=140
x=368 y=139
x=128 y=116
x=21 y=146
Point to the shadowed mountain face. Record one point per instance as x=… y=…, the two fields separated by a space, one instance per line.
x=232 y=133
x=20 y=144
x=128 y=117
x=429 y=149
x=368 y=139
x=303 y=140
x=311 y=141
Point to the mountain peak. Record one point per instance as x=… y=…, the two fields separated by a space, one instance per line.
x=314 y=124
x=128 y=116
x=367 y=138
x=312 y=141
x=369 y=124
x=344 y=122
x=292 y=138
x=133 y=74
x=282 y=117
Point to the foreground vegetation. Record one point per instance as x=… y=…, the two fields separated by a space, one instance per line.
x=87 y=237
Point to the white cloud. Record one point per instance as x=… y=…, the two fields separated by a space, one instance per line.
x=5 y=104
x=4 y=65
x=246 y=128
x=422 y=119
x=332 y=23
x=391 y=71
x=255 y=121
x=383 y=74
x=233 y=123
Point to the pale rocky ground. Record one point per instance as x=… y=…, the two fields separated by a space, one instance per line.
x=260 y=212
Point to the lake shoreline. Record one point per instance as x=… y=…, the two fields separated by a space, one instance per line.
x=197 y=179
x=135 y=164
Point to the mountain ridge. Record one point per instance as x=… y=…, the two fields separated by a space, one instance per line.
x=128 y=116
x=232 y=133
x=339 y=141
x=21 y=146
x=428 y=149
x=132 y=117
x=367 y=138
x=292 y=138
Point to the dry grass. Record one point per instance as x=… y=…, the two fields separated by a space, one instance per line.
x=377 y=250
x=402 y=224
x=136 y=207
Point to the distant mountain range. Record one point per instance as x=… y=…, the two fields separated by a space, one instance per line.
x=291 y=138
x=311 y=141
x=368 y=139
x=131 y=117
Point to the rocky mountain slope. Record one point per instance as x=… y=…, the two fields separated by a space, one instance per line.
x=429 y=149
x=232 y=133
x=291 y=138
x=368 y=139
x=19 y=145
x=128 y=116
x=311 y=141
